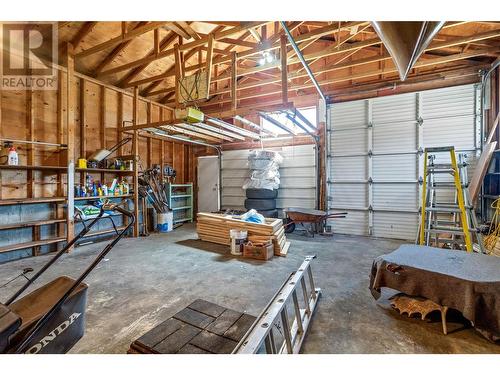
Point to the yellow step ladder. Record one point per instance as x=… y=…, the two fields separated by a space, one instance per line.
x=461 y=221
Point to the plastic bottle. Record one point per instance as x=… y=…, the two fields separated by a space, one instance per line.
x=13 y=158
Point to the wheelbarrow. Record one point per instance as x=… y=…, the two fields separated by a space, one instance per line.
x=316 y=218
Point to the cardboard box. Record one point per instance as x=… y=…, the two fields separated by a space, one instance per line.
x=260 y=252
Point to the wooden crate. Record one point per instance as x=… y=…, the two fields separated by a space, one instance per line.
x=260 y=252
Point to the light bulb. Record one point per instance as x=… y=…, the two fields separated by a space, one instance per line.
x=269 y=58
x=262 y=61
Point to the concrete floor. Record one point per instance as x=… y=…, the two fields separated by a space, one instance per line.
x=145 y=280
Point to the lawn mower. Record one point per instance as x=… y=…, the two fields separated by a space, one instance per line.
x=51 y=319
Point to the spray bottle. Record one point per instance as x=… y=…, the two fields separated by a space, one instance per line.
x=13 y=158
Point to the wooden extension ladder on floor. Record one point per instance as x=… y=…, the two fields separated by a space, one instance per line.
x=459 y=223
x=273 y=332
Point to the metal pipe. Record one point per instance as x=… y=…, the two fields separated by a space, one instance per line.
x=302 y=60
x=484 y=81
x=34 y=142
x=304 y=119
x=276 y=123
x=254 y=126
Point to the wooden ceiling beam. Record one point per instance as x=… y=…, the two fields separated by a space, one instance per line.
x=255 y=35
x=171 y=71
x=387 y=70
x=186 y=26
x=350 y=64
x=179 y=30
x=186 y=46
x=224 y=23
x=333 y=50
x=120 y=39
x=82 y=33
x=187 y=56
x=238 y=42
x=164 y=44
x=241 y=55
x=155 y=84
x=115 y=52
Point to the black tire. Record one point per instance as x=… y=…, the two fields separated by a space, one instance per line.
x=268 y=213
x=260 y=204
x=262 y=194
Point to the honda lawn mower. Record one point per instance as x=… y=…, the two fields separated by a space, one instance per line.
x=51 y=319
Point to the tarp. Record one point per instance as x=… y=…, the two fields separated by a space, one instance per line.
x=467 y=282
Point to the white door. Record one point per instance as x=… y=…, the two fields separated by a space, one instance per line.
x=208 y=184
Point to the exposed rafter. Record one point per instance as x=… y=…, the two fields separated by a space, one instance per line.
x=169 y=52
x=115 y=52
x=82 y=33
x=120 y=39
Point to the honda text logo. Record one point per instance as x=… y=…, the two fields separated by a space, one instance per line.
x=53 y=334
x=28 y=52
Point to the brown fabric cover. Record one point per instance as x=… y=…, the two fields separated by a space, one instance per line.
x=467 y=282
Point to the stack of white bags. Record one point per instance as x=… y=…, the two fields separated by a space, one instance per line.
x=264 y=173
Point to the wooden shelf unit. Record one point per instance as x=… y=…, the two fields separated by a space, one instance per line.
x=103 y=170
x=34 y=244
x=32 y=168
x=61 y=222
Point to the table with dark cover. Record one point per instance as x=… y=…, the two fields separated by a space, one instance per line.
x=467 y=282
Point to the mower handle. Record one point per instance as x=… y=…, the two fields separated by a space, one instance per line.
x=114 y=207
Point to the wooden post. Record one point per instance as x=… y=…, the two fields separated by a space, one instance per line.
x=30 y=121
x=234 y=81
x=322 y=157
x=284 y=71
x=149 y=145
x=162 y=148
x=83 y=126
x=1 y=135
x=208 y=63
x=157 y=41
x=62 y=156
x=178 y=74
x=135 y=153
x=30 y=183
x=119 y=137
x=70 y=141
x=119 y=133
x=102 y=120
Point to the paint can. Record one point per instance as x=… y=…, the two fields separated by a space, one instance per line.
x=238 y=238
x=165 y=222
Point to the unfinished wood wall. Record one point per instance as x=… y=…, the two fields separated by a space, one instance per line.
x=99 y=110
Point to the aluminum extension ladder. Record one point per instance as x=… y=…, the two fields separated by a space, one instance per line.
x=460 y=222
x=273 y=332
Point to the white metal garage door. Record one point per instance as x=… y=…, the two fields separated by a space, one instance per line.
x=297 y=175
x=375 y=155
